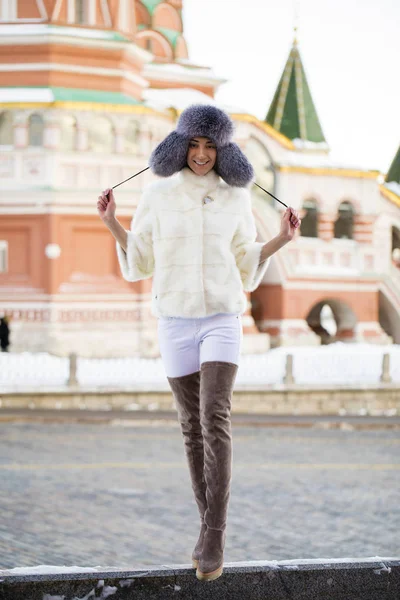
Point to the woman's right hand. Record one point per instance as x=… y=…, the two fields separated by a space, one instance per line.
x=106 y=206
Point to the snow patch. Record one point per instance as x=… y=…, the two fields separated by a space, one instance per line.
x=26 y=95
x=182 y=98
x=393 y=186
x=48 y=570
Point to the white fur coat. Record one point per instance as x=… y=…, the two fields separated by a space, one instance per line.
x=202 y=256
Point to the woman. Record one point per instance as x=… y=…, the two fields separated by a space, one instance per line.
x=195 y=234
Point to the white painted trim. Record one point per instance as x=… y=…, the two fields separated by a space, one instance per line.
x=96 y=42
x=42 y=9
x=71 y=11
x=152 y=71
x=56 y=10
x=123 y=14
x=54 y=209
x=8 y=10
x=64 y=68
x=327 y=286
x=106 y=13
x=93 y=42
x=24 y=21
x=87 y=305
x=92 y=12
x=3 y=256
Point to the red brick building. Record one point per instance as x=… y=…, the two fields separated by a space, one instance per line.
x=88 y=88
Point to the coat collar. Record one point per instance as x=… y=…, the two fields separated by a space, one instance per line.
x=203 y=183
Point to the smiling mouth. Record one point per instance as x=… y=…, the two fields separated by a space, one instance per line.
x=201 y=164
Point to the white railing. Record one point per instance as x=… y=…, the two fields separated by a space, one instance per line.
x=346 y=364
x=337 y=257
x=313 y=256
x=37 y=167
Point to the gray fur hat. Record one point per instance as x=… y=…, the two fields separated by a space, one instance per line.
x=201 y=120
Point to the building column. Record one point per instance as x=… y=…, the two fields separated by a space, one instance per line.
x=145 y=141
x=119 y=142
x=51 y=132
x=363 y=228
x=254 y=341
x=326 y=225
x=20 y=131
x=81 y=138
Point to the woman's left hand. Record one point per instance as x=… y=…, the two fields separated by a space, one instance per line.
x=290 y=222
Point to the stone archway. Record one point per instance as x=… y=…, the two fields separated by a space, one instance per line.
x=332 y=320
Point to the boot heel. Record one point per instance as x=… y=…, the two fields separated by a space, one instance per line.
x=210 y=576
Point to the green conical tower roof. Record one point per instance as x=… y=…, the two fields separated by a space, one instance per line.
x=394 y=171
x=292 y=111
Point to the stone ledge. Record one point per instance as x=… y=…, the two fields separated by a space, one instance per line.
x=289 y=400
x=324 y=579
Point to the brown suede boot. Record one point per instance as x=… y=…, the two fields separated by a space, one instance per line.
x=216 y=386
x=186 y=392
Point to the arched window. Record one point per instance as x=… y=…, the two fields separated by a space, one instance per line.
x=101 y=136
x=333 y=320
x=6 y=129
x=156 y=43
x=309 y=222
x=132 y=137
x=345 y=221
x=35 y=130
x=68 y=133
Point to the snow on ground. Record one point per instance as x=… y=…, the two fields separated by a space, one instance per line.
x=274 y=564
x=48 y=569
x=351 y=364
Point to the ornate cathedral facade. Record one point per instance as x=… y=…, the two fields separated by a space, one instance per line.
x=88 y=88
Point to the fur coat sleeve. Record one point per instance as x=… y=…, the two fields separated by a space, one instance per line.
x=247 y=251
x=138 y=260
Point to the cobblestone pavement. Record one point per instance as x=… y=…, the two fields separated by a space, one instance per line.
x=120 y=495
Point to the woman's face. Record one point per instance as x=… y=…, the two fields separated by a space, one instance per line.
x=201 y=155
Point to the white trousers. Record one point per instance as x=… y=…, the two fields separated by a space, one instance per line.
x=186 y=343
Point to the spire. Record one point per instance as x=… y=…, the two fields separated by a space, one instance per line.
x=393 y=175
x=292 y=111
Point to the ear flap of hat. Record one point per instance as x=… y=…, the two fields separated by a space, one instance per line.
x=233 y=166
x=169 y=156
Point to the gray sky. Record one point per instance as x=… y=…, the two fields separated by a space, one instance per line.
x=350 y=51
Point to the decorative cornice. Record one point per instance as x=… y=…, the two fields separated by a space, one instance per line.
x=330 y=172
x=179 y=73
x=66 y=68
x=88 y=106
x=268 y=129
x=389 y=195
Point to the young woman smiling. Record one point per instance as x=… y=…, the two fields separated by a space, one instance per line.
x=194 y=233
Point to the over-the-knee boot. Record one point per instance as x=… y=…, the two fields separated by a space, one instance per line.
x=217 y=379
x=186 y=391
